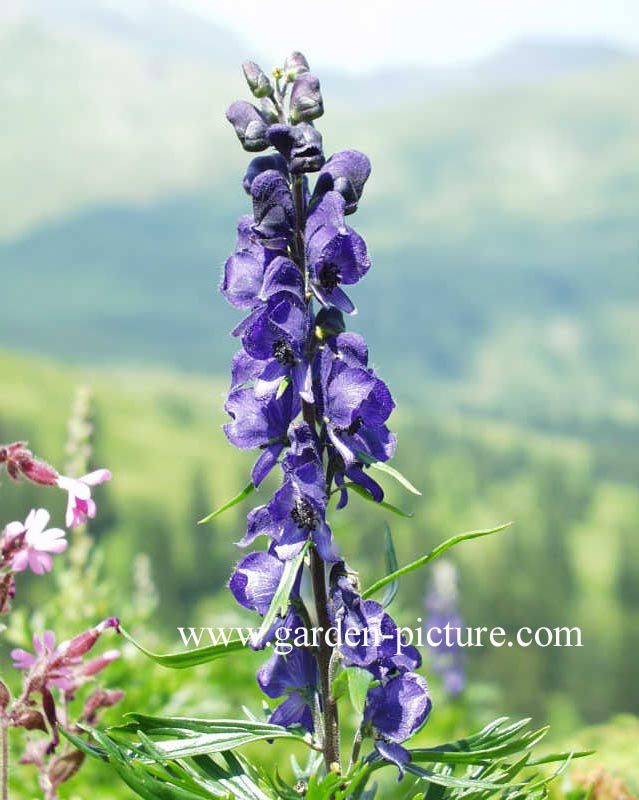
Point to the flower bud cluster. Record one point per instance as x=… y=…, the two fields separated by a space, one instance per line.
x=63 y=670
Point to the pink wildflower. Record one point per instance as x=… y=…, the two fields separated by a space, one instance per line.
x=80 y=505
x=38 y=542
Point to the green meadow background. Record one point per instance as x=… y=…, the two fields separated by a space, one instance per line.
x=502 y=308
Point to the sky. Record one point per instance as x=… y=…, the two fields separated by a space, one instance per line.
x=360 y=35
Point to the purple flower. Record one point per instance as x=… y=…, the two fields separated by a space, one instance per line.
x=249 y=125
x=279 y=335
x=260 y=422
x=395 y=711
x=345 y=172
x=36 y=543
x=306 y=102
x=273 y=161
x=244 y=270
x=354 y=406
x=80 y=505
x=255 y=581
x=273 y=210
x=294 y=676
x=373 y=641
x=296 y=512
x=335 y=254
x=301 y=146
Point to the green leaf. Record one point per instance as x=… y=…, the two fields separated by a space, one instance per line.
x=246 y=491
x=356 y=682
x=391 y=566
x=383 y=467
x=281 y=598
x=188 y=658
x=435 y=553
x=359 y=681
x=366 y=495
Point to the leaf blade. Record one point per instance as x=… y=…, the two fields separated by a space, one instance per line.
x=434 y=553
x=246 y=491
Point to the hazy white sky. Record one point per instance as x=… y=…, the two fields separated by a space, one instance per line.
x=359 y=34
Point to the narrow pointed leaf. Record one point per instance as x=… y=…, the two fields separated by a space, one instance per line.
x=394 y=473
x=435 y=553
x=391 y=567
x=246 y=491
x=355 y=487
x=188 y=658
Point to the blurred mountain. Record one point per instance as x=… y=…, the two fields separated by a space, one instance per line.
x=519 y=63
x=502 y=222
x=164 y=28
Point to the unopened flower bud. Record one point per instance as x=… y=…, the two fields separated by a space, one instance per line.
x=30 y=720
x=97 y=664
x=64 y=767
x=257 y=79
x=249 y=125
x=81 y=644
x=100 y=698
x=295 y=65
x=306 y=99
x=21 y=461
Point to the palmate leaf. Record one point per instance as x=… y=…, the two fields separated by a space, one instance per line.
x=246 y=491
x=188 y=658
x=434 y=553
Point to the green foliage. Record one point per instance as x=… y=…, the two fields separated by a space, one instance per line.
x=188 y=658
x=434 y=553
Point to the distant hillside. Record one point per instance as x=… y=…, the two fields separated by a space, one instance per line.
x=566 y=561
x=502 y=227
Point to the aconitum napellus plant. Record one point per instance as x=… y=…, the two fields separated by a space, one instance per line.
x=303 y=394
x=304 y=397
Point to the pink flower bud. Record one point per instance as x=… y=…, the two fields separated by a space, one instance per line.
x=21 y=461
x=97 y=664
x=81 y=644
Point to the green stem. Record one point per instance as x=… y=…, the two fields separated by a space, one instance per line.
x=4 y=758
